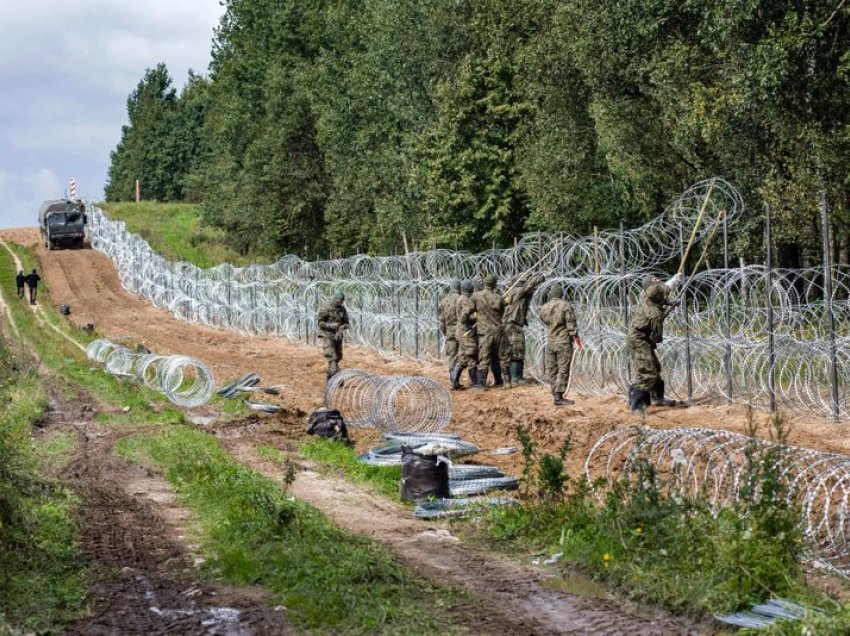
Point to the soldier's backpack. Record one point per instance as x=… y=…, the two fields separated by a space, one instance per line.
x=329 y=424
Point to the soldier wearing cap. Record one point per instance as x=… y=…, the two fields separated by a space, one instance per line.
x=332 y=322
x=646 y=332
x=489 y=307
x=561 y=333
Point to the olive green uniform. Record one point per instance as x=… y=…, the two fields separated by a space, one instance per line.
x=467 y=335
x=515 y=318
x=448 y=326
x=561 y=329
x=646 y=332
x=489 y=307
x=332 y=318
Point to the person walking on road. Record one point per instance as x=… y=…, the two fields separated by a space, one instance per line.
x=561 y=333
x=20 y=279
x=32 y=283
x=332 y=322
x=646 y=332
x=448 y=327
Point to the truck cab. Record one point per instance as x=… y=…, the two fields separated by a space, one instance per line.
x=62 y=223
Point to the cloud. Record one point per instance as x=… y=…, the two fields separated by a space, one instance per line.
x=66 y=69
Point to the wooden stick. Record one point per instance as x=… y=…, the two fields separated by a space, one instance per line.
x=696 y=228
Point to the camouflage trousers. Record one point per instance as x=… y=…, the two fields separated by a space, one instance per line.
x=467 y=350
x=490 y=351
x=559 y=359
x=452 y=349
x=646 y=367
x=332 y=350
x=513 y=342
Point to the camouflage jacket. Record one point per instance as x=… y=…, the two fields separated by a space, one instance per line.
x=331 y=316
x=518 y=299
x=647 y=322
x=466 y=316
x=560 y=321
x=489 y=306
x=448 y=314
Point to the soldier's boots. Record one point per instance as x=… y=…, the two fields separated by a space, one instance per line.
x=473 y=376
x=454 y=376
x=497 y=374
x=657 y=396
x=638 y=400
x=516 y=373
x=560 y=400
x=481 y=380
x=333 y=369
x=506 y=376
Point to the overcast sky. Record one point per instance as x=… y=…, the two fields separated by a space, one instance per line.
x=66 y=68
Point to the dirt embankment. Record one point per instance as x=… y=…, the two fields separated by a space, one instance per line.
x=86 y=280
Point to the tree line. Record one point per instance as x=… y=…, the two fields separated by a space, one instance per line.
x=343 y=126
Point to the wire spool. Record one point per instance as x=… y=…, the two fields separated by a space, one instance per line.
x=713 y=464
x=399 y=403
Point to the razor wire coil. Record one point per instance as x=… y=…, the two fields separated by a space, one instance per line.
x=392 y=303
x=395 y=403
x=714 y=464
x=185 y=381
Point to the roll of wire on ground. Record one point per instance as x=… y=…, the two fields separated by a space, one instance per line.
x=185 y=381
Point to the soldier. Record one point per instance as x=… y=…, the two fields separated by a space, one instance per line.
x=561 y=333
x=32 y=282
x=514 y=321
x=489 y=307
x=20 y=279
x=467 y=336
x=333 y=321
x=646 y=332
x=448 y=327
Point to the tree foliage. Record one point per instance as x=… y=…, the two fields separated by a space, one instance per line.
x=339 y=126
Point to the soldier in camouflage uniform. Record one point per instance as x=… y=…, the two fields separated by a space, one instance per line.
x=467 y=336
x=333 y=321
x=514 y=321
x=489 y=307
x=448 y=327
x=646 y=332
x=561 y=333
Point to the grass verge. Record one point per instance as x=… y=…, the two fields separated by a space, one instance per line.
x=175 y=231
x=41 y=580
x=334 y=455
x=651 y=543
x=327 y=579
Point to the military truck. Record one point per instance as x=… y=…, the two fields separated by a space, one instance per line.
x=62 y=223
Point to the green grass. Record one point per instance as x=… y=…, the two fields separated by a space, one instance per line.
x=54 y=450
x=42 y=583
x=70 y=366
x=328 y=579
x=331 y=454
x=658 y=548
x=175 y=230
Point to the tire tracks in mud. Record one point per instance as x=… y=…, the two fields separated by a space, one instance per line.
x=143 y=580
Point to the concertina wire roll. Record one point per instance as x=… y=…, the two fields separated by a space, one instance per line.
x=393 y=300
x=696 y=462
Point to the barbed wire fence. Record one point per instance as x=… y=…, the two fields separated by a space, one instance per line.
x=750 y=334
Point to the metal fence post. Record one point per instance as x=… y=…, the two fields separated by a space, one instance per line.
x=688 y=361
x=727 y=314
x=624 y=298
x=771 y=352
x=827 y=277
x=416 y=319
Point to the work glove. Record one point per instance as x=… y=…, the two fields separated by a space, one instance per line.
x=341 y=328
x=673 y=303
x=674 y=282
x=333 y=326
x=578 y=343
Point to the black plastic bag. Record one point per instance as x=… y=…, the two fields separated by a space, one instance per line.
x=423 y=476
x=328 y=423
